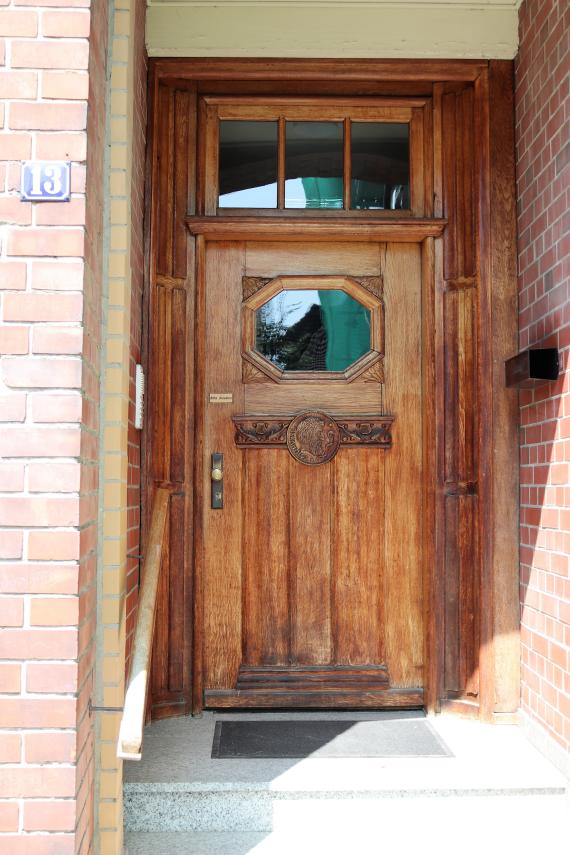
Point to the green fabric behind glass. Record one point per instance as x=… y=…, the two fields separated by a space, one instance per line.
x=347 y=325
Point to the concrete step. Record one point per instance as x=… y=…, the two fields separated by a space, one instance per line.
x=494 y=779
x=255 y=809
x=494 y=825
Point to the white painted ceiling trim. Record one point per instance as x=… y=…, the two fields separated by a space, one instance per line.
x=448 y=29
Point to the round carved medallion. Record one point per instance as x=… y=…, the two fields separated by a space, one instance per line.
x=313 y=438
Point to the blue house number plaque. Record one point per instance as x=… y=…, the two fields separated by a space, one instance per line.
x=45 y=180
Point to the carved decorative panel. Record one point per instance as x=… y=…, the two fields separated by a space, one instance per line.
x=252 y=284
x=251 y=374
x=374 y=284
x=374 y=374
x=259 y=433
x=362 y=431
x=313 y=437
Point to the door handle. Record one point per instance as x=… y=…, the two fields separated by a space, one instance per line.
x=217 y=476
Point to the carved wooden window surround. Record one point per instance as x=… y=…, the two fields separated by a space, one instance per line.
x=367 y=290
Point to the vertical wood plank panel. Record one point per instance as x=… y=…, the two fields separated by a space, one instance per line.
x=432 y=448
x=159 y=397
x=468 y=506
x=501 y=292
x=310 y=514
x=177 y=381
x=181 y=107
x=449 y=176
x=469 y=190
x=467 y=347
x=404 y=580
x=165 y=159
x=358 y=554
x=452 y=626
x=450 y=308
x=160 y=651
x=459 y=166
x=462 y=581
x=266 y=557
x=176 y=598
x=198 y=475
x=170 y=383
x=223 y=528
x=468 y=549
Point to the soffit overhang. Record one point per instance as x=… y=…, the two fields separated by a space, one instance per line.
x=348 y=29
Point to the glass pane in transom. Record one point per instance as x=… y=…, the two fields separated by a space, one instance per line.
x=380 y=157
x=314 y=164
x=305 y=330
x=248 y=164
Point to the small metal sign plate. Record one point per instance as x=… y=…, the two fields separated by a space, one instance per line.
x=45 y=180
x=221 y=398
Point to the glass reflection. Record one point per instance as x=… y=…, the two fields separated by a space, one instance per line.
x=314 y=164
x=248 y=164
x=380 y=156
x=325 y=330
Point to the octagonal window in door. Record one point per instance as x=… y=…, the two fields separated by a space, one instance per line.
x=303 y=328
x=321 y=330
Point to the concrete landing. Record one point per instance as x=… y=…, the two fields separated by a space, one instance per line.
x=496 y=787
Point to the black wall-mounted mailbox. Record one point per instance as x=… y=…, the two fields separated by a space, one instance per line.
x=532 y=367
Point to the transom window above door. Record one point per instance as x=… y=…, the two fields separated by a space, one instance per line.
x=356 y=157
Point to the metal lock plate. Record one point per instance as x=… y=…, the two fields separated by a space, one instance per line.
x=217 y=480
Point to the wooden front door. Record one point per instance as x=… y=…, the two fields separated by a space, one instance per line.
x=312 y=566
x=321 y=566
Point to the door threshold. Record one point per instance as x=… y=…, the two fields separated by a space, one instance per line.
x=260 y=699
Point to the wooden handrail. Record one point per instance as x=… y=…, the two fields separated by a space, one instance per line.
x=132 y=723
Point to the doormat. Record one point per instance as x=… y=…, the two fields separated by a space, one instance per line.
x=263 y=740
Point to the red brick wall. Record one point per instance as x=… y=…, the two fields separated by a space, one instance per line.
x=543 y=191
x=137 y=280
x=50 y=298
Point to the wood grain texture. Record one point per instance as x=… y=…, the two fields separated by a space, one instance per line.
x=503 y=281
x=314 y=584
x=432 y=441
x=311 y=109
x=328 y=109
x=198 y=477
x=272 y=259
x=310 y=527
x=349 y=700
x=370 y=88
x=410 y=230
x=403 y=544
x=354 y=398
x=485 y=362
x=266 y=549
x=319 y=69
x=314 y=678
x=460 y=324
x=222 y=582
x=164 y=154
x=360 y=613
x=169 y=366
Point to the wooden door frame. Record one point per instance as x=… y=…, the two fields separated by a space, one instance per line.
x=480 y=486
